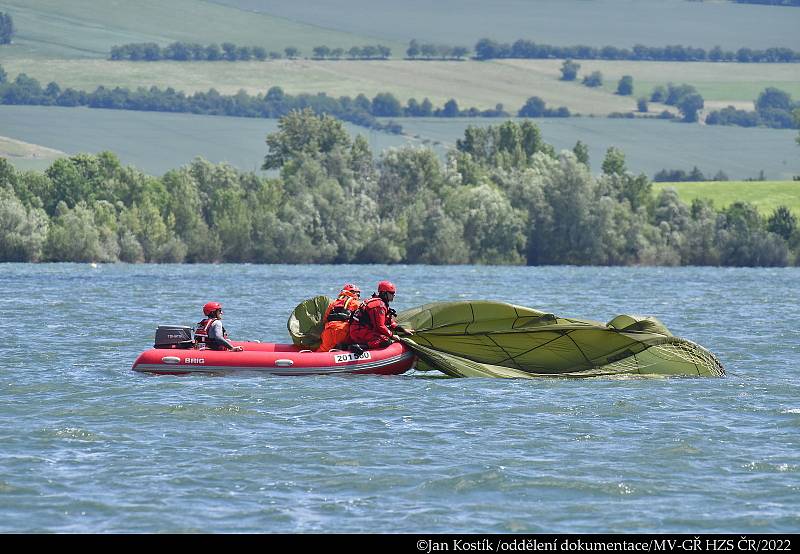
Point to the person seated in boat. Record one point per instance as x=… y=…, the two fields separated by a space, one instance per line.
x=373 y=323
x=210 y=333
x=336 y=333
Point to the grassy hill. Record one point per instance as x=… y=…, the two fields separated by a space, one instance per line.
x=472 y=83
x=153 y=142
x=621 y=23
x=766 y=195
x=649 y=145
x=68 y=42
x=156 y=142
x=89 y=28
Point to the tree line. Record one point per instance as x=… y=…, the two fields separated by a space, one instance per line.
x=774 y=108
x=431 y=51
x=6 y=28
x=770 y=2
x=228 y=51
x=275 y=103
x=503 y=196
x=488 y=49
x=692 y=176
x=485 y=49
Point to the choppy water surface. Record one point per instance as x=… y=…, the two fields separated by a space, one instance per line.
x=90 y=446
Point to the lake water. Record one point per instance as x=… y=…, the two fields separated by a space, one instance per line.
x=90 y=446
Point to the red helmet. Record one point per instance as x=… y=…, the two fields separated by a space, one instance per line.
x=350 y=287
x=211 y=307
x=386 y=286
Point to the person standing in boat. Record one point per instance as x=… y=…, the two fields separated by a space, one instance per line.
x=210 y=331
x=373 y=323
x=337 y=318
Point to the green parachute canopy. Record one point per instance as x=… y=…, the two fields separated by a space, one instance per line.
x=494 y=339
x=305 y=324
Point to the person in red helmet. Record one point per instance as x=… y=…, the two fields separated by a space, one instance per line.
x=337 y=318
x=373 y=322
x=210 y=331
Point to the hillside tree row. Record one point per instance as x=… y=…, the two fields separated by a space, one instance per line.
x=503 y=196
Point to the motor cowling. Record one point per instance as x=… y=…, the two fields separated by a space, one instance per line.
x=174 y=336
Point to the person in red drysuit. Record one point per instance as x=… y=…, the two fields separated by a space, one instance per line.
x=337 y=318
x=374 y=323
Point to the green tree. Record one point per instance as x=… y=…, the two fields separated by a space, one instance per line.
x=641 y=105
x=796 y=115
x=291 y=52
x=493 y=230
x=701 y=238
x=743 y=241
x=321 y=52
x=434 y=237
x=534 y=107
x=560 y=219
x=595 y=79
x=625 y=86
x=581 y=152
x=229 y=51
x=413 y=49
x=6 y=28
x=569 y=70
x=614 y=162
x=782 y=222
x=773 y=98
x=690 y=106
x=406 y=173
x=386 y=105
x=659 y=94
x=22 y=231
x=73 y=236
x=459 y=52
x=304 y=132
x=450 y=109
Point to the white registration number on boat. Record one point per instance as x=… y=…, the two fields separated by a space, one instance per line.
x=341 y=358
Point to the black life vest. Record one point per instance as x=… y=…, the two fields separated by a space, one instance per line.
x=361 y=315
x=341 y=309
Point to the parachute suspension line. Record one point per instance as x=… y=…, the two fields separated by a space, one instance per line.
x=539 y=346
x=689 y=352
x=585 y=357
x=509 y=357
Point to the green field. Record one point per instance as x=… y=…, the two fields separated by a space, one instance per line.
x=649 y=145
x=766 y=195
x=89 y=28
x=67 y=42
x=153 y=142
x=716 y=82
x=25 y=155
x=473 y=84
x=156 y=142
x=621 y=23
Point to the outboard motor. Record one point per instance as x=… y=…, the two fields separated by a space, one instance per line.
x=174 y=336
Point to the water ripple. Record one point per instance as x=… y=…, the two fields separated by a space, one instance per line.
x=89 y=446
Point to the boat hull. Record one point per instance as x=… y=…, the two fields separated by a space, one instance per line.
x=275 y=359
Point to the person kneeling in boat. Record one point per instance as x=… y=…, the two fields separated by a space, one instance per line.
x=210 y=333
x=373 y=323
x=336 y=333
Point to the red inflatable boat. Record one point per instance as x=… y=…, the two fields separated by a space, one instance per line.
x=275 y=359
